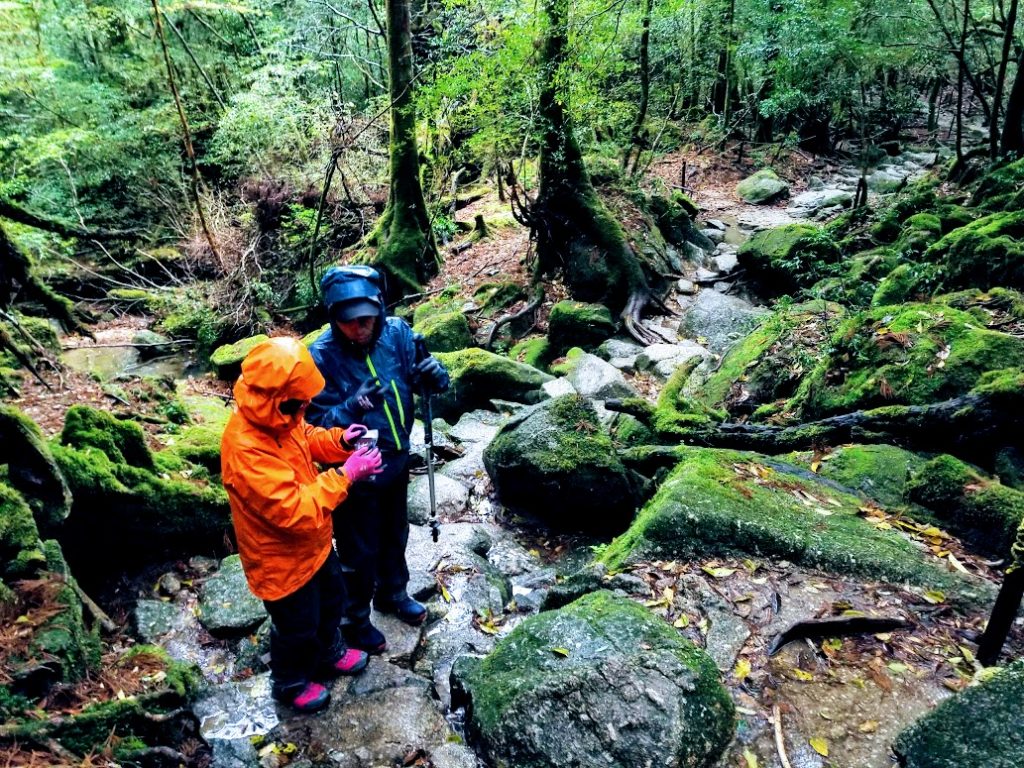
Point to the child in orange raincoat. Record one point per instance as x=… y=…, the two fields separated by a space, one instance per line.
x=281 y=509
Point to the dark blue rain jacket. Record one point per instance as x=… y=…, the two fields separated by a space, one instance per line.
x=389 y=359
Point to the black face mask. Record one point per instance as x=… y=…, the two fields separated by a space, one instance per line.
x=291 y=407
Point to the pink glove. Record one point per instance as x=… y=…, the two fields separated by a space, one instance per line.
x=362 y=464
x=353 y=433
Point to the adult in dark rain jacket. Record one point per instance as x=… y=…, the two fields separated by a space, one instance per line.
x=369 y=361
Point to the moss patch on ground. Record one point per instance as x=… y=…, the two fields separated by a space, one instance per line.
x=788 y=258
x=880 y=472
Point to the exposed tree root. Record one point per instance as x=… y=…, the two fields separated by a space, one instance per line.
x=537 y=300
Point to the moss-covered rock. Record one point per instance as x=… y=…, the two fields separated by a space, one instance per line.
x=720 y=502
x=910 y=354
x=787 y=258
x=768 y=365
x=134 y=299
x=762 y=187
x=881 y=472
x=555 y=461
x=1002 y=188
x=984 y=254
x=478 y=376
x=536 y=352
x=857 y=278
x=674 y=217
x=227 y=359
x=444 y=302
x=21 y=551
x=32 y=470
x=981 y=727
x=446 y=332
x=552 y=692
x=977 y=508
x=131 y=505
x=576 y=324
x=906 y=282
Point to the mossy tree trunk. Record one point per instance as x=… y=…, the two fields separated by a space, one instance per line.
x=406 y=251
x=574 y=230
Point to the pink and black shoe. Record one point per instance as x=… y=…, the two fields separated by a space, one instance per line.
x=351 y=662
x=312 y=697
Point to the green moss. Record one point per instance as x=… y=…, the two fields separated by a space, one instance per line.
x=536 y=352
x=983 y=254
x=975 y=507
x=121 y=441
x=994 y=308
x=135 y=297
x=787 y=258
x=768 y=365
x=762 y=187
x=444 y=302
x=1000 y=188
x=522 y=667
x=446 y=332
x=184 y=679
x=676 y=413
x=910 y=354
x=227 y=359
x=981 y=727
x=21 y=551
x=576 y=324
x=881 y=472
x=718 y=503
x=477 y=376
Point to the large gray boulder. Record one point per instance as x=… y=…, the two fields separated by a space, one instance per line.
x=595 y=378
x=719 y=319
x=555 y=461
x=599 y=682
x=982 y=727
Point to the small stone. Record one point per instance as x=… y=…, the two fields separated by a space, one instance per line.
x=169 y=584
x=686 y=287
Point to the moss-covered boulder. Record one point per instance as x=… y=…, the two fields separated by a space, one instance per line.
x=446 y=332
x=905 y=355
x=21 y=550
x=536 y=352
x=598 y=682
x=984 y=254
x=720 y=502
x=787 y=258
x=442 y=303
x=762 y=187
x=981 y=727
x=881 y=472
x=132 y=505
x=674 y=217
x=767 y=366
x=905 y=282
x=226 y=606
x=978 y=508
x=576 y=324
x=555 y=461
x=227 y=359
x=479 y=376
x=32 y=470
x=1002 y=188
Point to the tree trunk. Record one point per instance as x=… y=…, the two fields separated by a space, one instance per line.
x=961 y=75
x=1013 y=122
x=1004 y=62
x=635 y=139
x=406 y=249
x=574 y=230
x=720 y=91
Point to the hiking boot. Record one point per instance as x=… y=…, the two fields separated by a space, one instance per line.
x=364 y=637
x=351 y=662
x=311 y=697
x=405 y=608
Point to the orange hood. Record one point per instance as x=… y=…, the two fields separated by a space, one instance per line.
x=276 y=370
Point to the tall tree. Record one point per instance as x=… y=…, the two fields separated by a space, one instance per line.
x=574 y=230
x=406 y=251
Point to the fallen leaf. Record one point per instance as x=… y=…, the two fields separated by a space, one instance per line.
x=682 y=622
x=935 y=596
x=868 y=726
x=751 y=758
x=718 y=572
x=819 y=745
x=799 y=674
x=560 y=651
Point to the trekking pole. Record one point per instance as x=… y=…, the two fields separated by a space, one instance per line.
x=428 y=434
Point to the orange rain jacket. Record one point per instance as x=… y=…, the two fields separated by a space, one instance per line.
x=280 y=504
